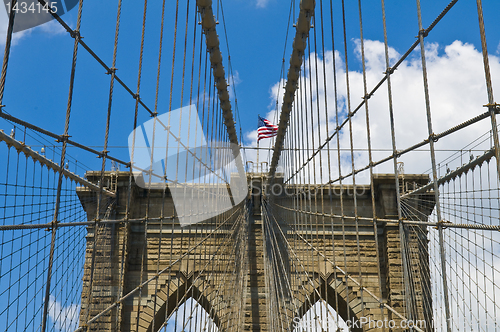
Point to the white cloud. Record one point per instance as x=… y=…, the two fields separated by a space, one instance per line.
x=50 y=28
x=262 y=3
x=4 y=23
x=64 y=318
x=233 y=81
x=457 y=92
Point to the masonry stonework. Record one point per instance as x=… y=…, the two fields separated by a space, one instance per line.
x=129 y=252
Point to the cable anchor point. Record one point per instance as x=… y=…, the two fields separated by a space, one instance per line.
x=76 y=34
x=423 y=33
x=63 y=138
x=433 y=137
x=389 y=71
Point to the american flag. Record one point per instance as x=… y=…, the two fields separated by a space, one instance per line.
x=266 y=129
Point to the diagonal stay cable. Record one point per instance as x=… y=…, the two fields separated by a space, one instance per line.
x=202 y=272
x=278 y=148
x=311 y=281
x=157 y=275
x=76 y=34
x=59 y=138
x=299 y=45
x=21 y=147
x=301 y=263
x=399 y=153
x=344 y=273
x=456 y=173
x=209 y=277
x=229 y=122
x=100 y=154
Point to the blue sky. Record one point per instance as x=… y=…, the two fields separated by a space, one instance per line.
x=38 y=76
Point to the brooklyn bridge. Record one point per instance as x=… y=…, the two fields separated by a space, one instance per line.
x=135 y=197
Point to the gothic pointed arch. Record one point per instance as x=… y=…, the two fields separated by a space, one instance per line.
x=179 y=297
x=335 y=300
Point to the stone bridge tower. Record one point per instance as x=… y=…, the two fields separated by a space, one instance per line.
x=351 y=248
x=141 y=272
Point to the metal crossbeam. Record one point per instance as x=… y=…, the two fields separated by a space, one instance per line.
x=23 y=148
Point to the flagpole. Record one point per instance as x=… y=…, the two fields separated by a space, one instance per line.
x=258 y=143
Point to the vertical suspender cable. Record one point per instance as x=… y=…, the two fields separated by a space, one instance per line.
x=103 y=165
x=63 y=159
x=6 y=54
x=492 y=106
x=388 y=73
x=370 y=159
x=421 y=36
